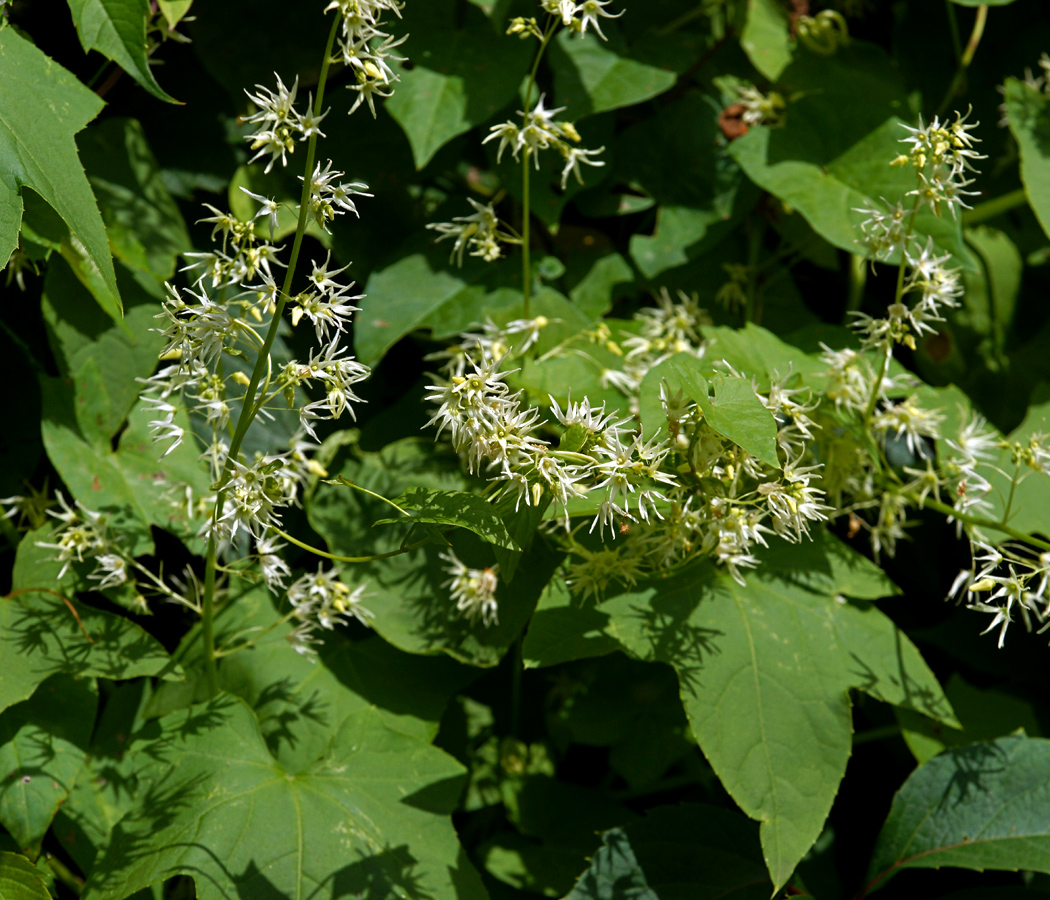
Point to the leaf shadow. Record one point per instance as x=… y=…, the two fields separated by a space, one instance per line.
x=970 y=766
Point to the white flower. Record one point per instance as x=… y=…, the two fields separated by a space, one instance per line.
x=324 y=599
x=269 y=209
x=111 y=571
x=474 y=590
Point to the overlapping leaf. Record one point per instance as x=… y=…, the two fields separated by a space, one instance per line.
x=41 y=636
x=408 y=593
x=43 y=742
x=460 y=77
x=764 y=672
x=686 y=852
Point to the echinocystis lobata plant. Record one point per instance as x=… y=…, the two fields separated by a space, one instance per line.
x=584 y=539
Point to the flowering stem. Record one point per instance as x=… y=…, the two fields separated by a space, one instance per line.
x=526 y=266
x=349 y=559
x=858 y=278
x=981 y=522
x=262 y=362
x=526 y=201
x=876 y=388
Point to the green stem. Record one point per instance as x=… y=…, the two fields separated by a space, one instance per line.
x=858 y=278
x=953 y=28
x=898 y=294
x=981 y=522
x=262 y=362
x=965 y=59
x=526 y=201
x=526 y=265
x=349 y=559
x=994 y=207
x=63 y=874
x=518 y=665
x=343 y=482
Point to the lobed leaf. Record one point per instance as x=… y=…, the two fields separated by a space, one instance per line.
x=38 y=152
x=41 y=636
x=370 y=816
x=117 y=30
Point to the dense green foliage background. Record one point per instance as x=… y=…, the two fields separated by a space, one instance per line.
x=829 y=725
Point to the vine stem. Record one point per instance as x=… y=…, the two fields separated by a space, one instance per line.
x=981 y=522
x=966 y=58
x=526 y=196
x=876 y=388
x=349 y=559
x=248 y=408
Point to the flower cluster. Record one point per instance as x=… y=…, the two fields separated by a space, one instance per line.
x=684 y=492
x=320 y=600
x=537 y=132
x=366 y=49
x=278 y=124
x=941 y=154
x=577 y=17
x=473 y=590
x=481 y=232
x=761 y=109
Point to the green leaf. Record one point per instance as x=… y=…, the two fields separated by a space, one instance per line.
x=299 y=702
x=759 y=353
x=591 y=76
x=408 y=593
x=43 y=742
x=459 y=78
x=593 y=294
x=1028 y=112
x=765 y=38
x=677 y=156
x=403 y=296
x=631 y=707
x=764 y=671
x=117 y=30
x=174 y=11
x=38 y=152
x=983 y=714
x=20 y=880
x=82 y=338
x=985 y=806
x=370 y=816
x=614 y=873
x=456 y=508
x=985 y=320
x=105 y=787
x=833 y=154
x=132 y=483
x=734 y=411
x=40 y=636
x=685 y=852
x=146 y=230
x=979 y=3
